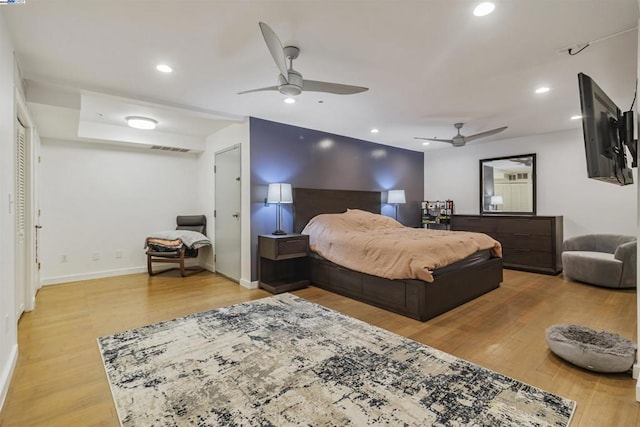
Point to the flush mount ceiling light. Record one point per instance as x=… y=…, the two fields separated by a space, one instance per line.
x=425 y=143
x=374 y=130
x=484 y=8
x=164 y=68
x=576 y=117
x=289 y=100
x=542 y=89
x=141 y=122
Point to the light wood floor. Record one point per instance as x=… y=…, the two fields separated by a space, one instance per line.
x=60 y=380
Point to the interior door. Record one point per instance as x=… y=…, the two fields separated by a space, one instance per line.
x=227 y=212
x=20 y=215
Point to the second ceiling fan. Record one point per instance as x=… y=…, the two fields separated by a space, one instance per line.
x=460 y=140
x=290 y=81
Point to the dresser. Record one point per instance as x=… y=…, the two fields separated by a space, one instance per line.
x=529 y=243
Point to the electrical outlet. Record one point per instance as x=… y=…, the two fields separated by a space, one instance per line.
x=119 y=253
x=95 y=256
x=64 y=258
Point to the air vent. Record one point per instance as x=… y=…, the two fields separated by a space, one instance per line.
x=178 y=150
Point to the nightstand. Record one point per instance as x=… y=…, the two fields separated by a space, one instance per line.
x=283 y=265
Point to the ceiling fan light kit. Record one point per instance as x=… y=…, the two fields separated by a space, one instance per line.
x=290 y=81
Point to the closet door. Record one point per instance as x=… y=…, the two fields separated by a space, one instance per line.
x=20 y=215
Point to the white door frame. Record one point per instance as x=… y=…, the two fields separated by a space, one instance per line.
x=32 y=142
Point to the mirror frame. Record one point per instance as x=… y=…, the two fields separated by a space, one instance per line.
x=533 y=189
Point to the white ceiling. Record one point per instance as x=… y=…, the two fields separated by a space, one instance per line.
x=428 y=63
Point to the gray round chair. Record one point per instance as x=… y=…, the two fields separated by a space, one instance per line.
x=607 y=260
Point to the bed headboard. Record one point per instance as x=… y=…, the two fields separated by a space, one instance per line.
x=309 y=202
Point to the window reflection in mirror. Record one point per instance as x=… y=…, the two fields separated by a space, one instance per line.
x=508 y=185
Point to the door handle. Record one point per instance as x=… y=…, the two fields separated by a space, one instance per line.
x=236 y=215
x=38 y=227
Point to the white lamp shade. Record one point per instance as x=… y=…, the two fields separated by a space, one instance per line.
x=396 y=196
x=279 y=193
x=496 y=200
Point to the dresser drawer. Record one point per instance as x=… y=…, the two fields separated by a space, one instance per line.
x=527 y=258
x=525 y=226
x=476 y=224
x=530 y=242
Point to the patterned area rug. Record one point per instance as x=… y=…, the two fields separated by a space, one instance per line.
x=285 y=361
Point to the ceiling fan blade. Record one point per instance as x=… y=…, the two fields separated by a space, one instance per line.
x=483 y=134
x=259 y=90
x=450 y=141
x=335 y=88
x=276 y=49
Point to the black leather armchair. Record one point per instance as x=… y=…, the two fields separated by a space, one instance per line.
x=164 y=254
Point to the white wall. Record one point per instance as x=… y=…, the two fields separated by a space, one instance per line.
x=8 y=321
x=636 y=366
x=235 y=134
x=588 y=206
x=99 y=199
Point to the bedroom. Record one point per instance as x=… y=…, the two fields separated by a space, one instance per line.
x=66 y=165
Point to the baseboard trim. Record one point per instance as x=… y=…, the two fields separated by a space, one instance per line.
x=93 y=275
x=248 y=284
x=7 y=374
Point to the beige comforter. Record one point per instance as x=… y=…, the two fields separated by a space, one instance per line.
x=380 y=246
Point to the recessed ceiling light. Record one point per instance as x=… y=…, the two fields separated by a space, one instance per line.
x=484 y=8
x=542 y=89
x=164 y=68
x=576 y=117
x=141 y=122
x=374 y=130
x=289 y=100
x=425 y=143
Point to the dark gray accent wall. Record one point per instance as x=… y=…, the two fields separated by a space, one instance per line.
x=313 y=159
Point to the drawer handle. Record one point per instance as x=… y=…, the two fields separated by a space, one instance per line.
x=523 y=250
x=292 y=241
x=522 y=235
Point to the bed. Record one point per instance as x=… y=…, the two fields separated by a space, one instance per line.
x=451 y=286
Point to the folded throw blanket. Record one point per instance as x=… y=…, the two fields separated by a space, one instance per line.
x=191 y=239
x=165 y=243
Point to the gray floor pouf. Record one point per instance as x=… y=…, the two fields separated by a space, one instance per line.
x=589 y=349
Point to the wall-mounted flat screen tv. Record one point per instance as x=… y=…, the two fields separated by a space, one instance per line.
x=606 y=133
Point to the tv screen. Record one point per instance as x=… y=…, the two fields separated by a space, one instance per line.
x=603 y=135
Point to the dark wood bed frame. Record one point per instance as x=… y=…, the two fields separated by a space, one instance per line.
x=410 y=297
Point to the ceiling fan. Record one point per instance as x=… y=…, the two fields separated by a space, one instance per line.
x=460 y=140
x=290 y=82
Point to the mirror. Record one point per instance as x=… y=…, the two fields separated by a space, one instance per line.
x=508 y=185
